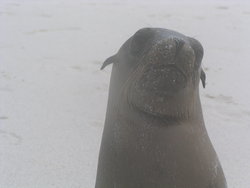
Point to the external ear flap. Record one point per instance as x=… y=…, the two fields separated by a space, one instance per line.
x=108 y=61
x=203 y=78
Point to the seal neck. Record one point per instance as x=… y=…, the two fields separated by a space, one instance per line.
x=186 y=109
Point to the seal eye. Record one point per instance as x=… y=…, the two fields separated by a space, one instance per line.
x=139 y=41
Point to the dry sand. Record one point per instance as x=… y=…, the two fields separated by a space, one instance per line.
x=53 y=96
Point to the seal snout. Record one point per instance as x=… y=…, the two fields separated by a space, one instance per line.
x=168 y=51
x=162 y=79
x=168 y=65
x=163 y=52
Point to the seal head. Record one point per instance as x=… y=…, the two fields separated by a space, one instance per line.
x=163 y=71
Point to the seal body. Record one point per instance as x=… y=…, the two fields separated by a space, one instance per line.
x=154 y=134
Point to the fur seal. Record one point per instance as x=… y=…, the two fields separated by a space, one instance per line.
x=154 y=134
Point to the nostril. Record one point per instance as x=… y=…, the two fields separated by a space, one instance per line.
x=178 y=43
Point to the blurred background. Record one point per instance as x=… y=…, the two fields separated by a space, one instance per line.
x=53 y=96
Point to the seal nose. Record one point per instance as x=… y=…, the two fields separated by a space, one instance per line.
x=166 y=51
x=169 y=67
x=173 y=52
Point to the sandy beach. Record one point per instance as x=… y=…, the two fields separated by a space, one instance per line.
x=53 y=95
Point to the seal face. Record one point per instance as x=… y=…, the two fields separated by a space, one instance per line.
x=154 y=134
x=166 y=72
